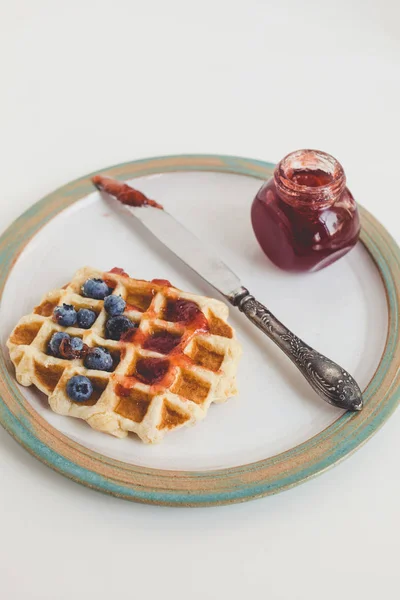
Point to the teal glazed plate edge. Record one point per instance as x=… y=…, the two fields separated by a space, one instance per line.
x=200 y=488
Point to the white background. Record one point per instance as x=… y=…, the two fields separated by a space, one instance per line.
x=89 y=84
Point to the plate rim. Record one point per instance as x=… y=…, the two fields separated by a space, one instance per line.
x=213 y=487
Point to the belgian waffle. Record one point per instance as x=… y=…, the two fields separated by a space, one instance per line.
x=200 y=370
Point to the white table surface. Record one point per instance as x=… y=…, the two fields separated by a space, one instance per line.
x=89 y=84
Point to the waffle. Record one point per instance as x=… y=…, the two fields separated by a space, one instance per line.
x=199 y=371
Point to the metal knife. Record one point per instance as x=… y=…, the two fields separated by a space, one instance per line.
x=328 y=379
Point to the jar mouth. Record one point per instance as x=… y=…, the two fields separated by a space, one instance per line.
x=310 y=177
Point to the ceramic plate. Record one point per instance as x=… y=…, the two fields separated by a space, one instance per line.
x=276 y=432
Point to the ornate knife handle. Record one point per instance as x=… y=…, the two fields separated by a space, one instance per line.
x=328 y=379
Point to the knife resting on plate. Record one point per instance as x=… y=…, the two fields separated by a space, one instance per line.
x=328 y=379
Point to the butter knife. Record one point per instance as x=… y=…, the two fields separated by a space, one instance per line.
x=331 y=382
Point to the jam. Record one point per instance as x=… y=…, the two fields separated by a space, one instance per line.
x=162 y=341
x=119 y=271
x=129 y=335
x=129 y=307
x=304 y=217
x=68 y=352
x=123 y=192
x=163 y=282
x=151 y=370
x=310 y=178
x=181 y=311
x=110 y=282
x=121 y=390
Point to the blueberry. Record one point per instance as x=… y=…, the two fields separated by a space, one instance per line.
x=114 y=305
x=79 y=388
x=117 y=326
x=99 y=359
x=77 y=344
x=95 y=288
x=65 y=315
x=54 y=344
x=85 y=318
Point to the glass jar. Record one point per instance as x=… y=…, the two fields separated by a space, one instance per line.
x=304 y=217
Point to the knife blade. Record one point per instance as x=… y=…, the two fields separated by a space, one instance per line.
x=183 y=243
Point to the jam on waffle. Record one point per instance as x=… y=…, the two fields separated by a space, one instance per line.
x=166 y=358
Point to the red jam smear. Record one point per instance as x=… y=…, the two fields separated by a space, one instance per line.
x=110 y=282
x=162 y=341
x=163 y=282
x=182 y=311
x=160 y=373
x=121 y=390
x=123 y=192
x=188 y=313
x=119 y=271
x=151 y=370
x=114 y=271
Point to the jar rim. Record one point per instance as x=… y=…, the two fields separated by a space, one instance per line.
x=300 y=194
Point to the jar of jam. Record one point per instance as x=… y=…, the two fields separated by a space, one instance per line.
x=304 y=217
